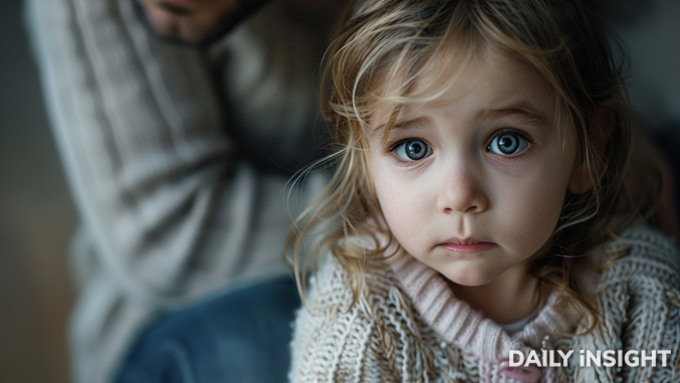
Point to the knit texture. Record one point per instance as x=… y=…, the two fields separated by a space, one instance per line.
x=409 y=327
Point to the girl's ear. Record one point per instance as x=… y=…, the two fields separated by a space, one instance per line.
x=604 y=124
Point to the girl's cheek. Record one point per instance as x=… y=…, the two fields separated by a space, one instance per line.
x=546 y=163
x=408 y=168
x=514 y=167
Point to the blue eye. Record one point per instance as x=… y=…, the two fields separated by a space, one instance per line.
x=413 y=150
x=508 y=144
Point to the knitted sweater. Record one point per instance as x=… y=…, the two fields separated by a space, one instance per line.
x=409 y=327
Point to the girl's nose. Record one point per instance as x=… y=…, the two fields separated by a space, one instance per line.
x=462 y=192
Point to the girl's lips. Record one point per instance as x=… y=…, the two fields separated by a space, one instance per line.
x=468 y=247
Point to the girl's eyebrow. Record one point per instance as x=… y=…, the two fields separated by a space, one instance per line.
x=401 y=126
x=410 y=124
x=522 y=109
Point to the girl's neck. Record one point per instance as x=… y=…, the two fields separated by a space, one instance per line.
x=509 y=298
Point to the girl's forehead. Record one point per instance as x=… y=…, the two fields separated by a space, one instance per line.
x=493 y=80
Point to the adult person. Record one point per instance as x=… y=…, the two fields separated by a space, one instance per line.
x=177 y=143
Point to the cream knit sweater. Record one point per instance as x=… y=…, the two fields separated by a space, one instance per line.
x=409 y=327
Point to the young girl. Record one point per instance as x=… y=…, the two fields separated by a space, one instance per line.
x=479 y=180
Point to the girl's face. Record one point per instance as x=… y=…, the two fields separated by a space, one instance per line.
x=473 y=182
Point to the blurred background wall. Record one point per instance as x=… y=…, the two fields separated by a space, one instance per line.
x=37 y=216
x=37 y=219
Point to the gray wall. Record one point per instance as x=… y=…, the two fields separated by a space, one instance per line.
x=651 y=30
x=36 y=220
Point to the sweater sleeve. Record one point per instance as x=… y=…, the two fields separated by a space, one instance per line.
x=170 y=209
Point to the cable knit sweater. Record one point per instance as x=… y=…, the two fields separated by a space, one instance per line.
x=409 y=327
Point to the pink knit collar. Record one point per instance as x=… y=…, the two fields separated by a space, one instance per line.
x=466 y=328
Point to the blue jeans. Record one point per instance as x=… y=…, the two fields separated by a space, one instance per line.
x=242 y=335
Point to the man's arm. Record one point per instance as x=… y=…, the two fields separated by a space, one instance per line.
x=171 y=211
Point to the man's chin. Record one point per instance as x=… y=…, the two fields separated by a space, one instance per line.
x=184 y=32
x=182 y=29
